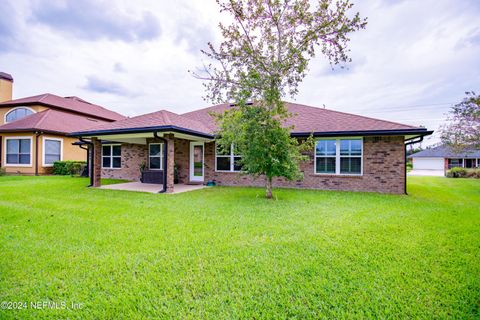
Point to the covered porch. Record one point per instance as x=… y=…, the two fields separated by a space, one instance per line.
x=154 y=161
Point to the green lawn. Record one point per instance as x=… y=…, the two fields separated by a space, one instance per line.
x=228 y=253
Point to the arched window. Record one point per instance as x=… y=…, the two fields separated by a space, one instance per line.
x=18 y=113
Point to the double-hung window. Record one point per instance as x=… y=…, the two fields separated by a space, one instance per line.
x=339 y=156
x=325 y=156
x=18 y=151
x=155 y=156
x=112 y=156
x=350 y=156
x=52 y=151
x=227 y=160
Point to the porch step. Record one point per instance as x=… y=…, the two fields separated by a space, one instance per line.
x=194 y=183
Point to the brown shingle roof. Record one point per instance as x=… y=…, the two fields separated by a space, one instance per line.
x=74 y=104
x=160 y=118
x=308 y=119
x=305 y=120
x=51 y=120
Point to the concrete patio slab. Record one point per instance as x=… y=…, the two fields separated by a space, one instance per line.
x=150 y=187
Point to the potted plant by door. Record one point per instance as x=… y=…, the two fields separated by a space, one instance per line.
x=175 y=173
x=143 y=166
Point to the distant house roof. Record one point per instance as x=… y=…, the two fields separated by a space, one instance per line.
x=73 y=104
x=445 y=152
x=53 y=121
x=305 y=121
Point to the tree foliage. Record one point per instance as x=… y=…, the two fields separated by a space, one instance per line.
x=263 y=58
x=462 y=130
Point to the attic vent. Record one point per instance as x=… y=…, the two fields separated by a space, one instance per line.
x=91 y=119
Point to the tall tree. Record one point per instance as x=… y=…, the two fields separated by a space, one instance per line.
x=462 y=130
x=263 y=58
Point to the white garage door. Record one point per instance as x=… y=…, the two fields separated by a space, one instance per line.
x=428 y=163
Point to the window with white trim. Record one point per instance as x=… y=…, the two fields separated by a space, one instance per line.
x=325 y=156
x=52 y=151
x=155 y=156
x=111 y=156
x=339 y=156
x=350 y=156
x=17 y=114
x=227 y=160
x=18 y=151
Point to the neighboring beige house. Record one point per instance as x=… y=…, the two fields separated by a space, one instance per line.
x=33 y=129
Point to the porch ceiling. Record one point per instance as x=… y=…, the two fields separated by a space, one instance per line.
x=141 y=138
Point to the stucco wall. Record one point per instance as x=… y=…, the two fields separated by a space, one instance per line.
x=6 y=90
x=70 y=152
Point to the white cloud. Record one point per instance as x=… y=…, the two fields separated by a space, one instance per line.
x=412 y=56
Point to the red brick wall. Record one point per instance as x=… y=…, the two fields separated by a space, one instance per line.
x=182 y=150
x=133 y=155
x=182 y=160
x=383 y=170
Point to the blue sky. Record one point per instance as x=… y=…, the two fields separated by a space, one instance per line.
x=412 y=62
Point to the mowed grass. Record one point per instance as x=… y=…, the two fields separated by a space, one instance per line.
x=222 y=253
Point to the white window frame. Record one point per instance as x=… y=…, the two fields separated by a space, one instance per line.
x=44 y=149
x=29 y=165
x=325 y=156
x=111 y=156
x=337 y=157
x=231 y=156
x=13 y=109
x=162 y=147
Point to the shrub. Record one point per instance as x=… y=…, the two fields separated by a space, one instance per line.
x=473 y=173
x=457 y=172
x=2 y=172
x=65 y=168
x=409 y=166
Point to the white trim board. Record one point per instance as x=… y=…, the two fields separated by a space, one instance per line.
x=43 y=150
x=5 y=164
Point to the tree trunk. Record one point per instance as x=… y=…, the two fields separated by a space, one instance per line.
x=268 y=185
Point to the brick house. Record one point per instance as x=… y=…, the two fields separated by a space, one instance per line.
x=352 y=152
x=33 y=130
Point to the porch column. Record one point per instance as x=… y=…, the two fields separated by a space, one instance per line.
x=97 y=162
x=170 y=162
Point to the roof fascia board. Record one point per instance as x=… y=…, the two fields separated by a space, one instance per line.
x=141 y=130
x=34 y=130
x=416 y=132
